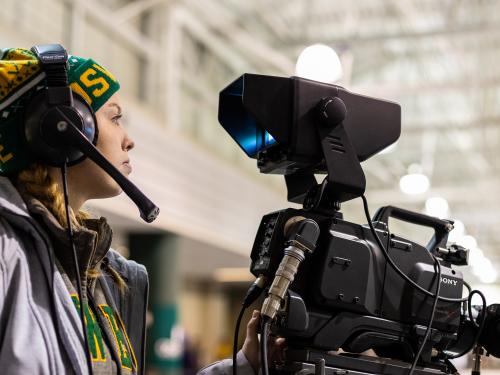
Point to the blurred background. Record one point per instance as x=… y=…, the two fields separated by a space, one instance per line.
x=438 y=58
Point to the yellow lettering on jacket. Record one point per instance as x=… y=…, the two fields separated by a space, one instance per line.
x=94 y=334
x=127 y=357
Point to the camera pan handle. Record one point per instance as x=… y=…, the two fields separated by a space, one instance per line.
x=441 y=227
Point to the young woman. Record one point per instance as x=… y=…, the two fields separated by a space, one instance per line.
x=40 y=328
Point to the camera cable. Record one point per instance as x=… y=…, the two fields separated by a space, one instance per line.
x=467 y=299
x=77 y=267
x=431 y=319
x=235 y=339
x=479 y=326
x=252 y=294
x=395 y=267
x=266 y=322
x=466 y=305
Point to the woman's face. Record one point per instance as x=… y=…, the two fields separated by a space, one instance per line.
x=114 y=143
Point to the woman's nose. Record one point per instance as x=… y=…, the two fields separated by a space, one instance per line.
x=128 y=143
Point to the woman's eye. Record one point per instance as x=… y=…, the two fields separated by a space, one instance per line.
x=116 y=119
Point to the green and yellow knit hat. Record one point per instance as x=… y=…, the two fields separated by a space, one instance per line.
x=21 y=76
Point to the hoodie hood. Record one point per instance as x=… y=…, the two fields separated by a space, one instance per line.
x=11 y=201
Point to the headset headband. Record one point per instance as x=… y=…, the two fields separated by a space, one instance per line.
x=54 y=61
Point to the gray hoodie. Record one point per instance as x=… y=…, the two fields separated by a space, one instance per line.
x=40 y=330
x=225 y=367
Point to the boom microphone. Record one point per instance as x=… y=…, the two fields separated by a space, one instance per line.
x=68 y=132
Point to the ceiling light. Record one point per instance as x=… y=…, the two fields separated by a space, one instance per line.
x=319 y=63
x=457 y=232
x=468 y=242
x=476 y=257
x=437 y=206
x=415 y=182
x=484 y=270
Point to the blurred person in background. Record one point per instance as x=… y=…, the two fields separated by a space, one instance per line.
x=40 y=328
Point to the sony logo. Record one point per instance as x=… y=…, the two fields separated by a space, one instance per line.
x=447 y=281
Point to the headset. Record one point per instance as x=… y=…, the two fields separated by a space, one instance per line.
x=60 y=130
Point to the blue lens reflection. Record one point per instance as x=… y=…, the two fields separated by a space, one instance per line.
x=240 y=124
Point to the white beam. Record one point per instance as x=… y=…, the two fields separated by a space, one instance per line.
x=465 y=83
x=76 y=38
x=214 y=43
x=134 y=9
x=171 y=47
x=129 y=35
x=222 y=21
x=483 y=192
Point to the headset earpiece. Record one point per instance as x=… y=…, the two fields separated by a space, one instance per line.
x=54 y=107
x=45 y=141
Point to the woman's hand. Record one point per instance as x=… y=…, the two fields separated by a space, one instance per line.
x=251 y=346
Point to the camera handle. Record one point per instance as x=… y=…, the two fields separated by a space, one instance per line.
x=441 y=226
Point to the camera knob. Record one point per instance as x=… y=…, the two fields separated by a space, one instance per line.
x=332 y=110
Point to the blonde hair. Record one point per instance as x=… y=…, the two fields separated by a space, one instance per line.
x=38 y=183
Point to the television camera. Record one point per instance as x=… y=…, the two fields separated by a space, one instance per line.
x=335 y=289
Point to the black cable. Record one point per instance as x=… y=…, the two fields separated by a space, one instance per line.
x=479 y=330
x=469 y=306
x=252 y=294
x=467 y=299
x=467 y=285
x=469 y=311
x=263 y=344
x=395 y=267
x=235 y=339
x=466 y=305
x=77 y=268
x=431 y=319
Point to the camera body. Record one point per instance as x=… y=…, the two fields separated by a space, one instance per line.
x=345 y=295
x=348 y=286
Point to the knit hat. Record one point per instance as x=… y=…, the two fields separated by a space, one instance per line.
x=21 y=75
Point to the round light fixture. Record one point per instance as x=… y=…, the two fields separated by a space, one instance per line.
x=319 y=62
x=437 y=206
x=457 y=232
x=415 y=182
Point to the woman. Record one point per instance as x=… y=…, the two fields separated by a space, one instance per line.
x=40 y=329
